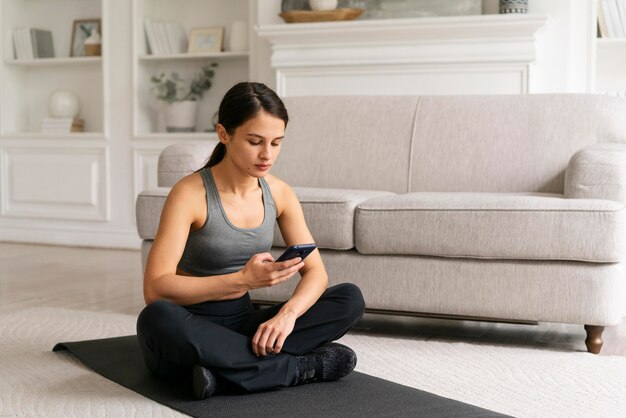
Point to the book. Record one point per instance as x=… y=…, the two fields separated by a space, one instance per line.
x=161 y=38
x=602 y=28
x=22 y=43
x=618 y=31
x=607 y=18
x=151 y=37
x=31 y=43
x=177 y=38
x=171 y=35
x=41 y=42
x=621 y=8
x=62 y=125
x=27 y=43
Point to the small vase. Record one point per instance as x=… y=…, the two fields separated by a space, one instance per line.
x=490 y=7
x=321 y=5
x=181 y=116
x=513 y=6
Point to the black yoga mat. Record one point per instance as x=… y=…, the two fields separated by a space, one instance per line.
x=356 y=395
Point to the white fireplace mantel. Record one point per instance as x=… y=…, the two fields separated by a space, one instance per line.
x=439 y=55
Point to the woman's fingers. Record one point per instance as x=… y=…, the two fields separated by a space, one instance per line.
x=277 y=274
x=265 y=340
x=278 y=346
x=288 y=263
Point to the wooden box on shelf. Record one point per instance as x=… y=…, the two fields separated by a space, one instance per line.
x=302 y=16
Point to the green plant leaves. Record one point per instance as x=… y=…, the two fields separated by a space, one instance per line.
x=171 y=88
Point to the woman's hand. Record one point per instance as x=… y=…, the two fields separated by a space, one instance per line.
x=262 y=271
x=271 y=335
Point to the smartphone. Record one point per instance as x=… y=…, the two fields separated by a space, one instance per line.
x=301 y=250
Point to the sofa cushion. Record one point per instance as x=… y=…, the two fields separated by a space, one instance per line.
x=148 y=209
x=492 y=225
x=329 y=214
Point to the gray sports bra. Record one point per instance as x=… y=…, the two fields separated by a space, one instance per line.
x=220 y=247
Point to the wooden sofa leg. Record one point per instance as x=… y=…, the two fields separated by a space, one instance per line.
x=594 y=338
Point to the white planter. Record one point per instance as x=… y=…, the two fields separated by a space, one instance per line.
x=181 y=116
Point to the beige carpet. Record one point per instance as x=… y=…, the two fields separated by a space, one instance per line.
x=34 y=382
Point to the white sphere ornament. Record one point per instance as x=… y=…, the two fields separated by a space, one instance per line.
x=63 y=104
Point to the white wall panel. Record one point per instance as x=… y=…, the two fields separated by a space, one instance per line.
x=146 y=162
x=55 y=183
x=418 y=80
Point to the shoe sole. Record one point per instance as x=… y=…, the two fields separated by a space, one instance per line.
x=200 y=382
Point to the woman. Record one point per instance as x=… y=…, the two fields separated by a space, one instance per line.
x=212 y=246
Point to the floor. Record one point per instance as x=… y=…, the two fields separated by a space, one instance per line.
x=110 y=281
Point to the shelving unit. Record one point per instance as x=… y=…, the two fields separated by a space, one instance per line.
x=609 y=59
x=148 y=121
x=27 y=84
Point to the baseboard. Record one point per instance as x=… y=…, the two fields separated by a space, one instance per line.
x=75 y=237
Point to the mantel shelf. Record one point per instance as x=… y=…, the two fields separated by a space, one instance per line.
x=54 y=62
x=194 y=57
x=423 y=29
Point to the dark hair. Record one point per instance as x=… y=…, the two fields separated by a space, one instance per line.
x=241 y=103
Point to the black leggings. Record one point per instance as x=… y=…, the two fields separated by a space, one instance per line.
x=218 y=335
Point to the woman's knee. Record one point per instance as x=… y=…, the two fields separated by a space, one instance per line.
x=157 y=317
x=355 y=303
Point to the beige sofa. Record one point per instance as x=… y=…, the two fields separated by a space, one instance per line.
x=503 y=208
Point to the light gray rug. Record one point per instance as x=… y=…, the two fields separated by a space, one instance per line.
x=516 y=381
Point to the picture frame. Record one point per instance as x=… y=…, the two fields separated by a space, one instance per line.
x=206 y=40
x=81 y=30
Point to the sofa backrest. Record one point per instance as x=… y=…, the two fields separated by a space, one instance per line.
x=507 y=143
x=481 y=143
x=358 y=142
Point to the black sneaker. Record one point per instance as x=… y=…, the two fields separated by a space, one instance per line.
x=328 y=362
x=204 y=382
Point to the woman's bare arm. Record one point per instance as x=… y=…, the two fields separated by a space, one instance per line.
x=295 y=231
x=186 y=206
x=183 y=206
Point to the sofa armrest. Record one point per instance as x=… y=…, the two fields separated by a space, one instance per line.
x=180 y=159
x=597 y=172
x=148 y=208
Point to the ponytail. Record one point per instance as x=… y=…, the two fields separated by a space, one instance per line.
x=218 y=154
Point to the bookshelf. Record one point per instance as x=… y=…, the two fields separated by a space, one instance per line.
x=233 y=66
x=26 y=84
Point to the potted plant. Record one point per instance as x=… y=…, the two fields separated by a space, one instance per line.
x=181 y=97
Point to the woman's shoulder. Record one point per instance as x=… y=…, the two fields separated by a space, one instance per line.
x=282 y=193
x=277 y=186
x=189 y=189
